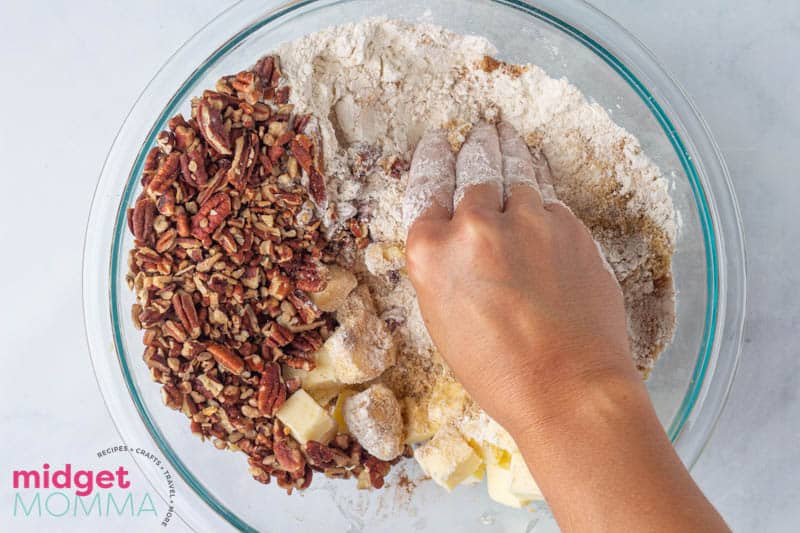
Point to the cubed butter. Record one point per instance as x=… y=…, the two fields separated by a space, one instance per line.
x=306 y=419
x=320 y=383
x=338 y=410
x=496 y=456
x=475 y=477
x=373 y=417
x=447 y=458
x=362 y=347
x=448 y=401
x=419 y=427
x=522 y=483
x=381 y=258
x=498 y=481
x=341 y=282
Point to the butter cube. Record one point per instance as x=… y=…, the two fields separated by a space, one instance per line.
x=340 y=283
x=320 y=383
x=338 y=409
x=498 y=481
x=362 y=347
x=381 y=258
x=306 y=419
x=523 y=485
x=374 y=419
x=419 y=427
x=447 y=458
x=475 y=477
x=448 y=401
x=496 y=456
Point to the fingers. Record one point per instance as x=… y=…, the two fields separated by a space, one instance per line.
x=431 y=180
x=544 y=178
x=479 y=170
x=519 y=174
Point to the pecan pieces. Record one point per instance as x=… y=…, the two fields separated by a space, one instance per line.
x=228 y=246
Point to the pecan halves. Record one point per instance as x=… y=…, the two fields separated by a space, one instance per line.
x=165 y=175
x=271 y=389
x=303 y=151
x=184 y=309
x=244 y=160
x=226 y=357
x=193 y=167
x=212 y=127
x=215 y=184
x=288 y=454
x=211 y=215
x=140 y=219
x=319 y=454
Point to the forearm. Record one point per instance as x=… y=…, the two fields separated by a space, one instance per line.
x=604 y=463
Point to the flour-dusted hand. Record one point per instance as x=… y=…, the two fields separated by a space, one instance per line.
x=519 y=301
x=431 y=179
x=513 y=292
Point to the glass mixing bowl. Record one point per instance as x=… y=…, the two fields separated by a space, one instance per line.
x=565 y=37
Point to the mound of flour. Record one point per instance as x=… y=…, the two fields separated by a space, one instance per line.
x=378 y=85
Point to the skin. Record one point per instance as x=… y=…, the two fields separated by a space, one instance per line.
x=540 y=341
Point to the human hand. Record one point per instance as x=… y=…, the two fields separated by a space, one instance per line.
x=523 y=307
x=512 y=287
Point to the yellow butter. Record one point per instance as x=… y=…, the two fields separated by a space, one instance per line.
x=306 y=419
x=447 y=458
x=495 y=455
x=320 y=383
x=418 y=426
x=522 y=483
x=498 y=481
x=448 y=401
x=338 y=413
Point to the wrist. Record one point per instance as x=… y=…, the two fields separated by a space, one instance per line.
x=549 y=410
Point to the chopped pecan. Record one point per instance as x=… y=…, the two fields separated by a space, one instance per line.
x=212 y=127
x=228 y=245
x=271 y=389
x=211 y=215
x=309 y=277
x=377 y=470
x=288 y=454
x=226 y=357
x=215 y=184
x=264 y=69
x=277 y=336
x=166 y=203
x=319 y=454
x=316 y=186
x=165 y=175
x=184 y=308
x=280 y=286
x=306 y=309
x=244 y=160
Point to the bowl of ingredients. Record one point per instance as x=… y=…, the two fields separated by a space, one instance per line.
x=246 y=301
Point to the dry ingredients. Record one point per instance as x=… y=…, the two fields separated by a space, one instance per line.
x=269 y=255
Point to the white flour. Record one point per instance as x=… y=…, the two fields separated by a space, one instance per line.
x=378 y=85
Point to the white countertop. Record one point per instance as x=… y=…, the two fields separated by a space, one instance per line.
x=71 y=73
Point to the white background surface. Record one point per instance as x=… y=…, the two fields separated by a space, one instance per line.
x=71 y=70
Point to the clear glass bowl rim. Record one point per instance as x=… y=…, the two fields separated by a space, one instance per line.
x=680 y=121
